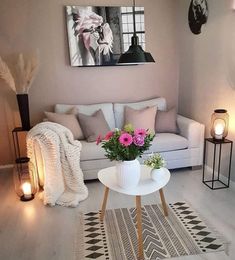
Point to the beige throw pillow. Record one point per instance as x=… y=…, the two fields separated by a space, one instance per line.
x=93 y=126
x=68 y=120
x=166 y=121
x=144 y=118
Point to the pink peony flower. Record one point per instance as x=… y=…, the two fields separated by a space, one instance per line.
x=108 y=135
x=99 y=139
x=125 y=139
x=141 y=132
x=138 y=140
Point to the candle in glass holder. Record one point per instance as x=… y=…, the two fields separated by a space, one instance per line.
x=26 y=187
x=219 y=131
x=219 y=124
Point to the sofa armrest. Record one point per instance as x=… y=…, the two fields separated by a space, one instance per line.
x=192 y=130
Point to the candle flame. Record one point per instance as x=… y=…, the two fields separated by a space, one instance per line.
x=26 y=187
x=219 y=129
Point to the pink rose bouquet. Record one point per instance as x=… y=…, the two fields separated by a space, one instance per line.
x=126 y=144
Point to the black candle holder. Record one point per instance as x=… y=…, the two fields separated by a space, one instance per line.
x=24 y=198
x=24 y=171
x=219 y=120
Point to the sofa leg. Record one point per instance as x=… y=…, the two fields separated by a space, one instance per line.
x=196 y=167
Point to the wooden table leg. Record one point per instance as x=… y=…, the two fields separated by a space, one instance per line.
x=139 y=228
x=163 y=202
x=104 y=203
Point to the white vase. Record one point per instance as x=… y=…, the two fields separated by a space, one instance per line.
x=156 y=174
x=128 y=174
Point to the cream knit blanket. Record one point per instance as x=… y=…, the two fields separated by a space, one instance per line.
x=56 y=156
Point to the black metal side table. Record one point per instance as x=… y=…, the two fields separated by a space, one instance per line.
x=216 y=181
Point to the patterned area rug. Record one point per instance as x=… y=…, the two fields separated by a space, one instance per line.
x=183 y=232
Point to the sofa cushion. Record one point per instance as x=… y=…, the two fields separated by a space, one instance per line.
x=68 y=120
x=141 y=118
x=160 y=103
x=166 y=121
x=94 y=125
x=107 y=109
x=163 y=142
x=91 y=151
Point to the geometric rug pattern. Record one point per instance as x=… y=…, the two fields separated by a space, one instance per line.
x=183 y=232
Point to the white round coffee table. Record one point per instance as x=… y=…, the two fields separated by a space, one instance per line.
x=146 y=186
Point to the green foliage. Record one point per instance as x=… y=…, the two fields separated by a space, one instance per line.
x=155 y=161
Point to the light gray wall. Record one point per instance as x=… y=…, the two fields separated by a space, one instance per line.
x=30 y=24
x=207 y=65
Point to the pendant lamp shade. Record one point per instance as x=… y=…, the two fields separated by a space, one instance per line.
x=135 y=54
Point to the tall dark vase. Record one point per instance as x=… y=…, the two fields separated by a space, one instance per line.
x=23 y=103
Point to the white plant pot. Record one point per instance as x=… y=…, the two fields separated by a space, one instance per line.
x=156 y=174
x=128 y=174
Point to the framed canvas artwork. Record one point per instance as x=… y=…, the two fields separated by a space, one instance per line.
x=98 y=35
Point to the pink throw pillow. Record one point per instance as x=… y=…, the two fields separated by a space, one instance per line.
x=166 y=121
x=144 y=118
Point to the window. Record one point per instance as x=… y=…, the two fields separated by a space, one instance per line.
x=128 y=28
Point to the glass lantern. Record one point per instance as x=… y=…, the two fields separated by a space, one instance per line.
x=219 y=124
x=25 y=179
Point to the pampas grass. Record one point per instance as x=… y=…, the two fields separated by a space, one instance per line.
x=24 y=73
x=6 y=75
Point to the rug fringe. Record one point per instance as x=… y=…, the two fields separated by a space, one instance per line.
x=78 y=241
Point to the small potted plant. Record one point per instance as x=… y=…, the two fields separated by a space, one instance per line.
x=125 y=146
x=157 y=163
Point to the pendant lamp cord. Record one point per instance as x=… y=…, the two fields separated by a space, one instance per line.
x=134 y=17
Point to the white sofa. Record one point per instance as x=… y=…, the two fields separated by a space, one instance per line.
x=179 y=150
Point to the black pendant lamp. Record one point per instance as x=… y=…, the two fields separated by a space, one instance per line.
x=135 y=54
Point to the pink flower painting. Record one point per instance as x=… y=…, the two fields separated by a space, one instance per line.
x=93 y=35
x=98 y=35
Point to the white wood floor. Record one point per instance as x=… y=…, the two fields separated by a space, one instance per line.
x=35 y=232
